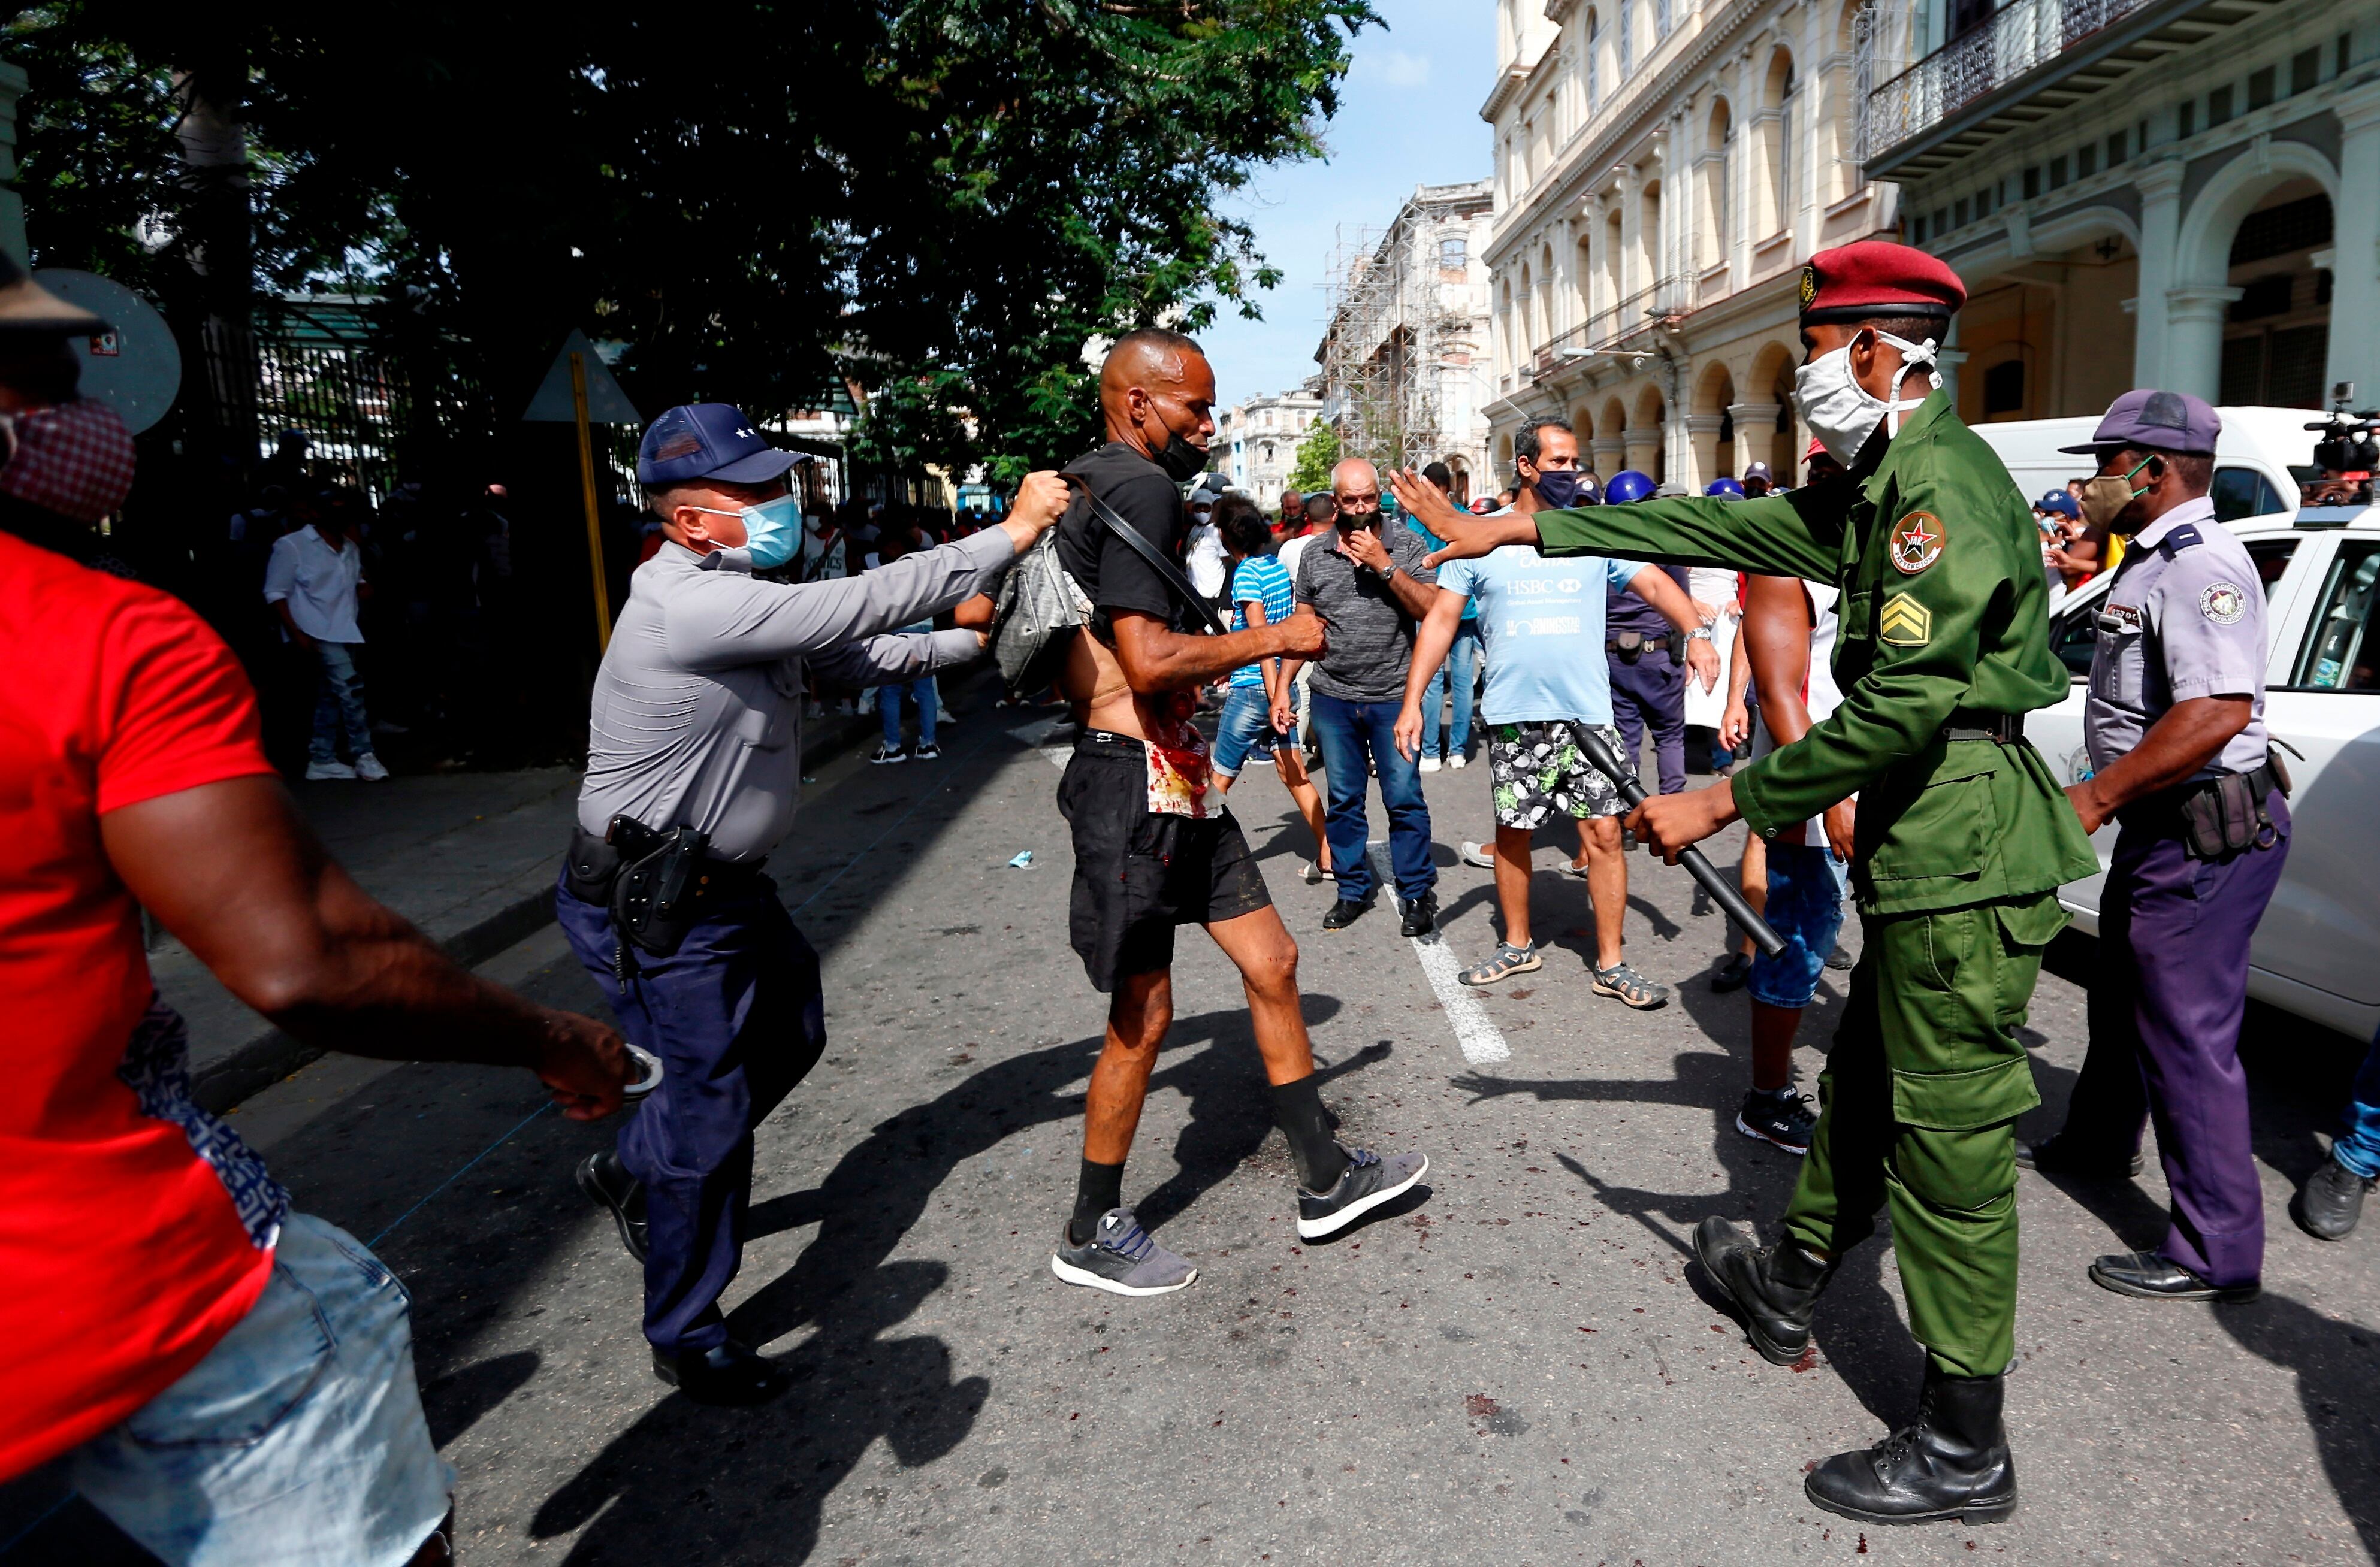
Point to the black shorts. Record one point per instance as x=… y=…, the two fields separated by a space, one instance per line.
x=1139 y=874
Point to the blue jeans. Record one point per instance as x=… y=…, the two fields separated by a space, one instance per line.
x=1806 y=906
x=339 y=702
x=1461 y=667
x=1245 y=731
x=1349 y=730
x=888 y=707
x=299 y=1442
x=2358 y=1147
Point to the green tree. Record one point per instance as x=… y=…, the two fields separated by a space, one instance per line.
x=957 y=194
x=1316 y=455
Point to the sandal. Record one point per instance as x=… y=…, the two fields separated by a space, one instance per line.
x=1506 y=961
x=1311 y=872
x=1630 y=986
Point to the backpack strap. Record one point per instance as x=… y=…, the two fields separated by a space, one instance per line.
x=1165 y=569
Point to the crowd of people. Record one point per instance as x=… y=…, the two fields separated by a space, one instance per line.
x=229 y=1380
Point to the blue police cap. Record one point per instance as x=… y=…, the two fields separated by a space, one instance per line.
x=1726 y=486
x=2060 y=501
x=1627 y=486
x=708 y=440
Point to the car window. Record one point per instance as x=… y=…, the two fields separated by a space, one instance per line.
x=2272 y=557
x=2244 y=493
x=2075 y=636
x=2341 y=651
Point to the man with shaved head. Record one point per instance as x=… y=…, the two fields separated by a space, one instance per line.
x=1372 y=590
x=1153 y=848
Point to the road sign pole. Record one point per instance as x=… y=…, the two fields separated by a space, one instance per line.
x=587 y=487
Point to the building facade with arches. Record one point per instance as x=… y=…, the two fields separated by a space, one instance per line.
x=1663 y=169
x=1257 y=441
x=2175 y=195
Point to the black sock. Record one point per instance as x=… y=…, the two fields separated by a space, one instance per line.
x=1297 y=1109
x=1099 y=1189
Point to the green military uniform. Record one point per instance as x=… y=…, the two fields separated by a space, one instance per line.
x=1963 y=840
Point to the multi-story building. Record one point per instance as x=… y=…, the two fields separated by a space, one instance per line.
x=1404 y=355
x=2175 y=193
x=1663 y=168
x=1259 y=441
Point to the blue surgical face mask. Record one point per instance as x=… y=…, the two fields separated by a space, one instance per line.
x=1558 y=487
x=773 y=530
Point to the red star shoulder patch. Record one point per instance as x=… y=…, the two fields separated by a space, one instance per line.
x=1916 y=542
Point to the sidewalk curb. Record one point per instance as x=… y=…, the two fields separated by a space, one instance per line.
x=269 y=1054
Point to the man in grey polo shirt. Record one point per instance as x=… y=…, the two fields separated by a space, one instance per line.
x=693 y=764
x=1372 y=589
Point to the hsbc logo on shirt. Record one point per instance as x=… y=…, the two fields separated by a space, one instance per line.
x=1524 y=588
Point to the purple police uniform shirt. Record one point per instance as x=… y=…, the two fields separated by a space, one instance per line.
x=2181 y=619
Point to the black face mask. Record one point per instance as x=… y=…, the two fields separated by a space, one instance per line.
x=1181 y=461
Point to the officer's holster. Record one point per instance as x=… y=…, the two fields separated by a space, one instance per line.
x=658 y=886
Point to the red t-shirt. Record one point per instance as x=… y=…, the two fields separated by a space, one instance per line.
x=135 y=1230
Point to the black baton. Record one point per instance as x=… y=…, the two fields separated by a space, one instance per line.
x=1723 y=891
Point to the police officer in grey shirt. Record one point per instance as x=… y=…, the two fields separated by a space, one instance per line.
x=2175 y=724
x=694 y=762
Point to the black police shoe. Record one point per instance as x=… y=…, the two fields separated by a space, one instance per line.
x=1774 y=1289
x=2331 y=1200
x=1421 y=915
x=2063 y=1155
x=1954 y=1463
x=732 y=1376
x=1345 y=912
x=2149 y=1275
x=608 y=1184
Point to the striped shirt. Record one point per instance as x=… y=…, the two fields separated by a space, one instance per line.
x=1260 y=579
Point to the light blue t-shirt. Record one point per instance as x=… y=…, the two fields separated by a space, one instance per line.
x=1541 y=625
x=1470 y=606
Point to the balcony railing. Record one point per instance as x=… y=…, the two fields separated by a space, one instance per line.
x=1616 y=324
x=2016 y=38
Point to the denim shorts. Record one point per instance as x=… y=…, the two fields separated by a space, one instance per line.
x=299 y=1442
x=1806 y=906
x=1244 y=730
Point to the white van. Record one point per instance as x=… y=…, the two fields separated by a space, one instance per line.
x=2259 y=459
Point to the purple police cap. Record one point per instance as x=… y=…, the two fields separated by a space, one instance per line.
x=2169 y=421
x=1758 y=471
x=708 y=440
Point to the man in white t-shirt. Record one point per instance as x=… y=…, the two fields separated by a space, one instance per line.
x=1789 y=638
x=1541 y=621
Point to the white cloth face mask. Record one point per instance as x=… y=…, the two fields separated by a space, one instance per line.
x=1840 y=412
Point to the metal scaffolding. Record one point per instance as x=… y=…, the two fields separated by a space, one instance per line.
x=1381 y=350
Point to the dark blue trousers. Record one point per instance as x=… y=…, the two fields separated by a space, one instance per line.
x=1349 y=731
x=1651 y=694
x=2165 y=1010
x=737 y=1018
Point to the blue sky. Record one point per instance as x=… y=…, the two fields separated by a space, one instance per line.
x=1408 y=116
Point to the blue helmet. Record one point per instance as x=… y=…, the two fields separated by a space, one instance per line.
x=1726 y=486
x=1627 y=486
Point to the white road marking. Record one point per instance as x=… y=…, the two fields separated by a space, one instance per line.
x=1476 y=1032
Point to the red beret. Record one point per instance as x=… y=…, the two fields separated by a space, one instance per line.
x=1875 y=277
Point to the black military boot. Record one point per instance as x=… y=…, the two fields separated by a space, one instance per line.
x=2330 y=1202
x=1953 y=1464
x=1774 y=1289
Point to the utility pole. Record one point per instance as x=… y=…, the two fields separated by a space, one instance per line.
x=216 y=237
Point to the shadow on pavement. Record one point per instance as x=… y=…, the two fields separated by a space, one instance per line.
x=670 y=1487
x=2337 y=1367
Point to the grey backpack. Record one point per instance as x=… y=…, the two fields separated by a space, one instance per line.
x=1040 y=605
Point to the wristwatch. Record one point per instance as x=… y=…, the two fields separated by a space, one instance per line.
x=1700 y=633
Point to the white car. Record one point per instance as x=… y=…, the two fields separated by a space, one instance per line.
x=2317 y=952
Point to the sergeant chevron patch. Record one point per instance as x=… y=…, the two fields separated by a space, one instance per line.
x=1904 y=622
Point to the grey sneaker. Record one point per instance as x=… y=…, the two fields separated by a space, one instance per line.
x=1367 y=1182
x=1122 y=1258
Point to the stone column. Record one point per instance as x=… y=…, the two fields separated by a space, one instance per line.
x=2355 y=286
x=2193 y=338
x=12 y=205
x=1708 y=461
x=1645 y=449
x=1630 y=214
x=2160 y=187
x=1611 y=456
x=1755 y=436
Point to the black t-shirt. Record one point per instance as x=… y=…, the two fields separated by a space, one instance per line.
x=1110 y=573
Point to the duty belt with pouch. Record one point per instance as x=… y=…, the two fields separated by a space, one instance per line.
x=657 y=884
x=2224 y=814
x=1633 y=645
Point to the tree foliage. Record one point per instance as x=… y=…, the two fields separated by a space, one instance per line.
x=1316 y=455
x=946 y=197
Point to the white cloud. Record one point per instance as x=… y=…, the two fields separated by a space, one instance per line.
x=1397 y=69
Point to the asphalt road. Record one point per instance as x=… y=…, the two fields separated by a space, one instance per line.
x=1518 y=1365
